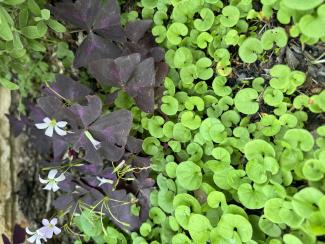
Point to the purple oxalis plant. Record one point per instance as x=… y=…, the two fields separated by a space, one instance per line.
x=93 y=147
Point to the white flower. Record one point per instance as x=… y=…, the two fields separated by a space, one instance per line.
x=52 y=181
x=95 y=143
x=51 y=126
x=36 y=236
x=103 y=181
x=49 y=228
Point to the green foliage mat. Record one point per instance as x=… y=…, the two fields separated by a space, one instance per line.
x=235 y=158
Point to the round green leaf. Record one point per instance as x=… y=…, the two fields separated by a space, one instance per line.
x=189 y=175
x=244 y=101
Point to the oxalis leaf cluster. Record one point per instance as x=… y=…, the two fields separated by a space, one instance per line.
x=234 y=160
x=88 y=137
x=216 y=147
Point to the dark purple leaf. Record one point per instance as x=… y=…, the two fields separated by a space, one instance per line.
x=134 y=145
x=140 y=87
x=93 y=169
x=60 y=147
x=110 y=98
x=80 y=14
x=114 y=72
x=17 y=125
x=119 y=210
x=68 y=88
x=82 y=144
x=19 y=235
x=93 y=48
x=108 y=21
x=157 y=53
x=51 y=106
x=5 y=239
x=161 y=73
x=63 y=201
x=112 y=130
x=102 y=17
x=136 y=30
x=88 y=113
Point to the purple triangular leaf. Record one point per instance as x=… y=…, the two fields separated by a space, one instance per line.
x=68 y=88
x=140 y=87
x=93 y=48
x=88 y=113
x=134 y=145
x=112 y=131
x=51 y=106
x=60 y=147
x=81 y=13
x=114 y=72
x=136 y=30
x=108 y=23
x=81 y=143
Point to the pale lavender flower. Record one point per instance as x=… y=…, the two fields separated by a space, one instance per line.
x=51 y=125
x=36 y=236
x=52 y=181
x=49 y=228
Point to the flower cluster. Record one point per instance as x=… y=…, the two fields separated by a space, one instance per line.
x=45 y=232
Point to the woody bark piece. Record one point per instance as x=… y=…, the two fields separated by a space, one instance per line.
x=5 y=161
x=10 y=150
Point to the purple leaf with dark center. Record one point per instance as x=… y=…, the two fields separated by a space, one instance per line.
x=114 y=72
x=136 y=30
x=93 y=48
x=111 y=130
x=88 y=113
x=59 y=147
x=108 y=21
x=51 y=106
x=141 y=85
x=157 y=53
x=102 y=17
x=64 y=201
x=137 y=79
x=119 y=210
x=134 y=145
x=68 y=88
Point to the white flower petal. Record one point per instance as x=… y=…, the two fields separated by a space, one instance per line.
x=38 y=241
x=52 y=174
x=59 y=131
x=60 y=178
x=56 y=230
x=29 y=232
x=48 y=187
x=42 y=180
x=42 y=126
x=47 y=120
x=45 y=222
x=32 y=239
x=46 y=231
x=55 y=187
x=54 y=221
x=49 y=131
x=61 y=124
